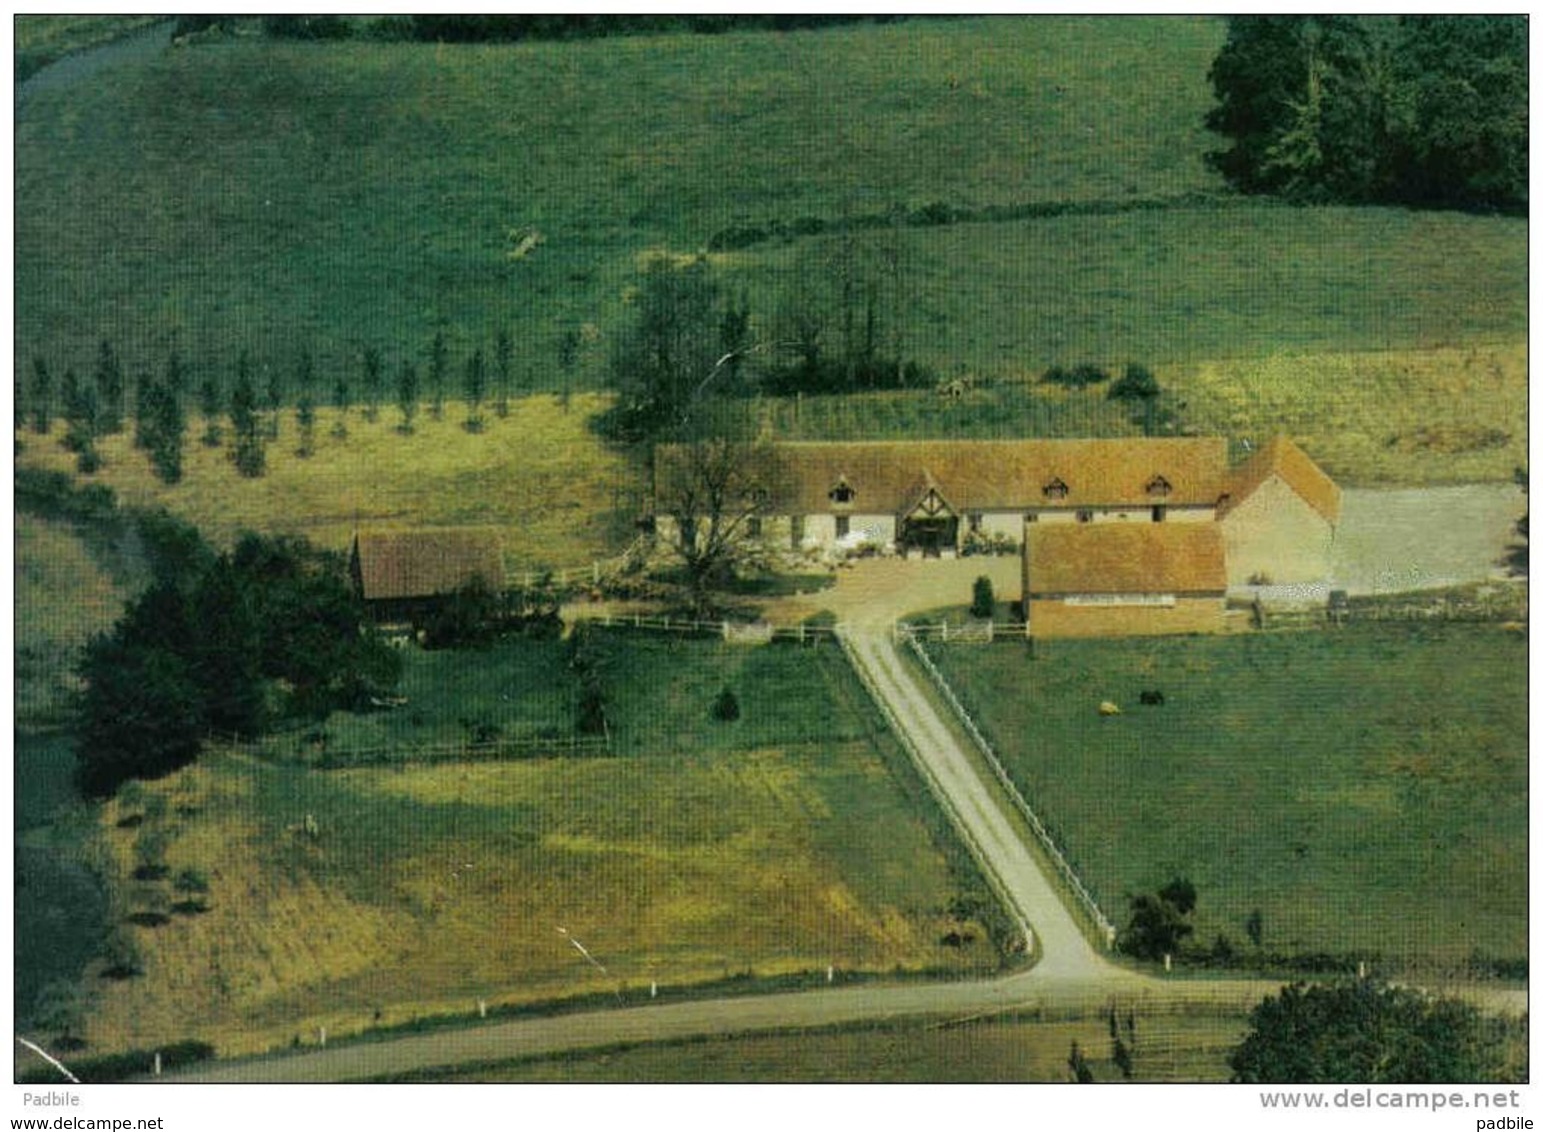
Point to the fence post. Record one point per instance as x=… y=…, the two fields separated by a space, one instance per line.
x=597 y=573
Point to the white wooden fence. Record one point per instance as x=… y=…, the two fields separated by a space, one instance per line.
x=593 y=574
x=925 y=768
x=967 y=632
x=754 y=632
x=1041 y=834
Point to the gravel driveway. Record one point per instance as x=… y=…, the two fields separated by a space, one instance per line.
x=1420 y=538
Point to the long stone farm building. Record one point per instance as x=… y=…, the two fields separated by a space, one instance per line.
x=1272 y=518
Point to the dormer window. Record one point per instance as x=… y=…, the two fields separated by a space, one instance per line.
x=1055 y=489
x=842 y=492
x=1159 y=487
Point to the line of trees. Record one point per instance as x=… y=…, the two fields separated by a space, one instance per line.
x=488 y=28
x=248 y=414
x=1415 y=110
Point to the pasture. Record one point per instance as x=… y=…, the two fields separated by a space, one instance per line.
x=1364 y=789
x=559 y=497
x=790 y=846
x=270 y=210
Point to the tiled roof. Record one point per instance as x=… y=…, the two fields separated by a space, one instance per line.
x=1125 y=558
x=1280 y=456
x=984 y=475
x=424 y=563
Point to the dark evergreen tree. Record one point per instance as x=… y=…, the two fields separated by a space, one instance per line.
x=69 y=399
x=342 y=399
x=249 y=454
x=144 y=402
x=41 y=397
x=503 y=357
x=141 y=716
x=167 y=431
x=109 y=388
x=407 y=396
x=475 y=387
x=439 y=362
x=211 y=408
x=305 y=420
x=372 y=383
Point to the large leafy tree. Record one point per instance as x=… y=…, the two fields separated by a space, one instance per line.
x=1368 y=1032
x=1413 y=110
x=665 y=360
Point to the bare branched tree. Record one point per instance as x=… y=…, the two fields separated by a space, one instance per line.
x=713 y=489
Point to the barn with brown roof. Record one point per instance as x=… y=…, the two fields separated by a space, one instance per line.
x=401 y=575
x=1278 y=517
x=1124 y=579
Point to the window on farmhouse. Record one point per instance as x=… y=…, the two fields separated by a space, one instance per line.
x=843 y=526
x=842 y=493
x=1031 y=517
x=1085 y=515
x=753 y=527
x=796 y=526
x=1055 y=489
x=974 y=518
x=1159 y=487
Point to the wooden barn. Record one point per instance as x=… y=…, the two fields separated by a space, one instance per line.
x=403 y=575
x=1124 y=579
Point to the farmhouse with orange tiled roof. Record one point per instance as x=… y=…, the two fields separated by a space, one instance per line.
x=1105 y=524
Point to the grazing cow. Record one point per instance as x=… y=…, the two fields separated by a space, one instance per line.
x=1153 y=698
x=1108 y=708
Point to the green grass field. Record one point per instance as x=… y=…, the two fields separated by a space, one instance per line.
x=281 y=214
x=1365 y=789
x=770 y=846
x=983 y=1051
x=272 y=210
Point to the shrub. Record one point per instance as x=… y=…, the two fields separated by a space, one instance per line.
x=1082 y=374
x=984 y=601
x=726 y=706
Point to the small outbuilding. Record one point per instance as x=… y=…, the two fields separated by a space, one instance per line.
x=403 y=575
x=1124 y=579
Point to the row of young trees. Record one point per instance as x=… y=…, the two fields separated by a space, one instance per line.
x=252 y=412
